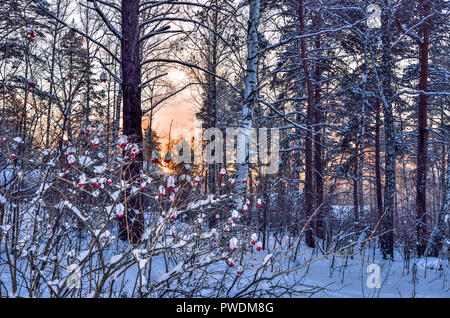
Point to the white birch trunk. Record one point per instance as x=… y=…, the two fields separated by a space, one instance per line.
x=251 y=80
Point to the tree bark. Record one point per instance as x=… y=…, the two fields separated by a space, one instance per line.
x=251 y=80
x=422 y=137
x=387 y=223
x=212 y=98
x=131 y=226
x=308 y=189
x=318 y=165
x=379 y=189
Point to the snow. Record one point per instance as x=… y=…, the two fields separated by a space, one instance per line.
x=75 y=210
x=85 y=161
x=430 y=263
x=83 y=255
x=266 y=260
x=115 y=258
x=350 y=281
x=99 y=169
x=114 y=195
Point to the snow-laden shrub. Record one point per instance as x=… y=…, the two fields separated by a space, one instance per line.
x=60 y=210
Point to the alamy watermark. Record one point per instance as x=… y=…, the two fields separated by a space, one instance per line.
x=374 y=279
x=228 y=146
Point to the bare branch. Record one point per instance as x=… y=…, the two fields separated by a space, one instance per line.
x=106 y=20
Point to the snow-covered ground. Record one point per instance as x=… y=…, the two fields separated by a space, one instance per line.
x=306 y=276
x=342 y=277
x=396 y=280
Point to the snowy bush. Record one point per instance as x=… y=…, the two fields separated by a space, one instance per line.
x=60 y=213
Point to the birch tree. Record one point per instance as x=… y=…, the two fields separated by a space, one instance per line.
x=250 y=92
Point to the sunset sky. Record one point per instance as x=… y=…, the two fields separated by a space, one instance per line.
x=180 y=108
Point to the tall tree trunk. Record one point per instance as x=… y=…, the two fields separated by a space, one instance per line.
x=250 y=92
x=308 y=189
x=212 y=99
x=387 y=223
x=422 y=138
x=131 y=226
x=362 y=140
x=318 y=165
x=379 y=189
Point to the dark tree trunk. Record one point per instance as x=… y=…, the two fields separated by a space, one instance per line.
x=308 y=189
x=387 y=223
x=318 y=165
x=213 y=98
x=422 y=139
x=131 y=226
x=379 y=190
